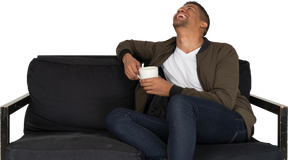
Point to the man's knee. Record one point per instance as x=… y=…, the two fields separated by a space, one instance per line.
x=174 y=105
x=177 y=100
x=181 y=103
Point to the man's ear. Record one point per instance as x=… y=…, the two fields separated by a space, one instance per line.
x=204 y=25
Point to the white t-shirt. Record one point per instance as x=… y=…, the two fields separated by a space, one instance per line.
x=180 y=69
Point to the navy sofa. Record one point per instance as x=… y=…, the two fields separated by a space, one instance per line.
x=69 y=98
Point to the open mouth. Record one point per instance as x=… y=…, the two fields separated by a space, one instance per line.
x=182 y=15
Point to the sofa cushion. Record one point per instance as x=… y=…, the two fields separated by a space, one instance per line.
x=238 y=151
x=71 y=146
x=245 y=76
x=104 y=146
x=75 y=93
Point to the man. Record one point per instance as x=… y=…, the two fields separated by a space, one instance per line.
x=200 y=83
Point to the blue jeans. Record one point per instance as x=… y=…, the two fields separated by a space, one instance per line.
x=189 y=120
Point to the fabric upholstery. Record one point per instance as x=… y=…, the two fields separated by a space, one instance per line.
x=75 y=93
x=69 y=100
x=104 y=146
x=244 y=78
x=71 y=146
x=238 y=151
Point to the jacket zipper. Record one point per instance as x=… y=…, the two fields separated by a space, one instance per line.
x=199 y=77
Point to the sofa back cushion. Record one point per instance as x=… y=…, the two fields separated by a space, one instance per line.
x=244 y=78
x=75 y=93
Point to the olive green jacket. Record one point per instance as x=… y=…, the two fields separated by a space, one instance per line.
x=218 y=73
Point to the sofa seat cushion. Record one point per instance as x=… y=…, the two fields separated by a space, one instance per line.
x=105 y=146
x=238 y=151
x=71 y=146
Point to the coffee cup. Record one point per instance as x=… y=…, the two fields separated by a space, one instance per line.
x=148 y=72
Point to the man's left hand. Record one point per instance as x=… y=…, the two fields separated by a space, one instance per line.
x=157 y=86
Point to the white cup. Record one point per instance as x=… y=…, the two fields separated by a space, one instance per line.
x=148 y=72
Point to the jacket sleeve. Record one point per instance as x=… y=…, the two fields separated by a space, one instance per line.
x=226 y=80
x=142 y=48
x=139 y=49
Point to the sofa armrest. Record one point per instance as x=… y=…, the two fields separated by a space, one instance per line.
x=6 y=111
x=282 y=112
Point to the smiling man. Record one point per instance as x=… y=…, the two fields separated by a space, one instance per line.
x=194 y=99
x=187 y=16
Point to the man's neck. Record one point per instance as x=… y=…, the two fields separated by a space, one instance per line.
x=188 y=42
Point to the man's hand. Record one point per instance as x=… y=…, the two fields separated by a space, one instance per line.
x=131 y=66
x=157 y=86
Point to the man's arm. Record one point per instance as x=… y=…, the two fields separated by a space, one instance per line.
x=143 y=50
x=127 y=50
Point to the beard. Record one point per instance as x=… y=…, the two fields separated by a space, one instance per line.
x=178 y=23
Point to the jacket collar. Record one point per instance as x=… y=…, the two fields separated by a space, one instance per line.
x=205 y=45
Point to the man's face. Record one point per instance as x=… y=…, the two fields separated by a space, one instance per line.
x=187 y=15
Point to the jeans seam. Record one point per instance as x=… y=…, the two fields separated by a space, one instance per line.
x=241 y=131
x=233 y=137
x=146 y=128
x=239 y=119
x=238 y=132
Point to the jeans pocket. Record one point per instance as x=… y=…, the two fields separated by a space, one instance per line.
x=231 y=141
x=240 y=136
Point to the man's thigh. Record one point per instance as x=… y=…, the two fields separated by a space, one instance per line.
x=218 y=124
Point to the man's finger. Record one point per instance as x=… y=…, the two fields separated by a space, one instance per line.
x=138 y=70
x=130 y=71
x=148 y=80
x=135 y=77
x=128 y=74
x=138 y=65
x=148 y=88
x=135 y=67
x=146 y=84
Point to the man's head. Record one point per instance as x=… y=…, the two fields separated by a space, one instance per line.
x=192 y=14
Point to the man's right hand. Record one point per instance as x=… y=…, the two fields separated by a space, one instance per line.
x=131 y=66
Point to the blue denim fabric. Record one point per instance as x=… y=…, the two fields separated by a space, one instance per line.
x=190 y=120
